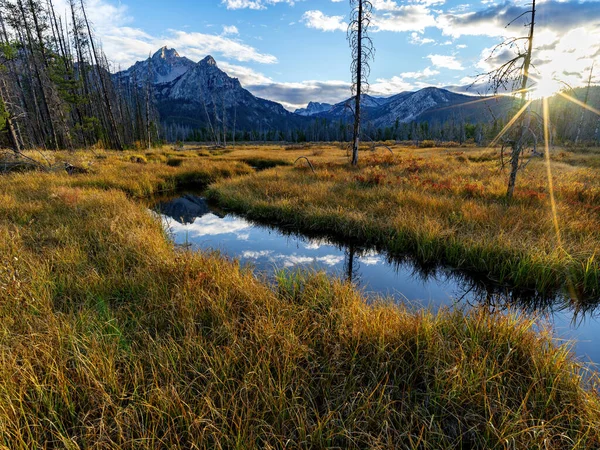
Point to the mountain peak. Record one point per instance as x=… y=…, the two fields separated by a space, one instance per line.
x=166 y=53
x=314 y=108
x=164 y=66
x=209 y=60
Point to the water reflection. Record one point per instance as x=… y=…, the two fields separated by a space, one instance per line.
x=193 y=223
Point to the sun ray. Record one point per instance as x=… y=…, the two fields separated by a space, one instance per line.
x=553 y=207
x=572 y=99
x=579 y=103
x=546 y=115
x=509 y=124
x=479 y=100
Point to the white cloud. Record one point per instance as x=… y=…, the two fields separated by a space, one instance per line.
x=411 y=17
x=417 y=39
x=320 y=21
x=426 y=73
x=296 y=95
x=370 y=260
x=249 y=254
x=241 y=4
x=330 y=260
x=254 y=4
x=565 y=59
x=199 y=45
x=208 y=225
x=390 y=86
x=446 y=62
x=246 y=75
x=386 y=87
x=125 y=45
x=387 y=16
x=385 y=5
x=230 y=29
x=560 y=16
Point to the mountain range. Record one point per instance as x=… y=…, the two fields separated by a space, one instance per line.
x=201 y=95
x=426 y=105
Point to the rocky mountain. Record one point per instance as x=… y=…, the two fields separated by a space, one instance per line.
x=428 y=104
x=313 y=108
x=344 y=109
x=163 y=67
x=200 y=95
x=184 y=210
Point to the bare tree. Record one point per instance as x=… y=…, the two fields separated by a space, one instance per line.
x=224 y=120
x=234 y=121
x=55 y=85
x=362 y=52
x=148 y=84
x=103 y=83
x=511 y=74
x=210 y=126
x=585 y=102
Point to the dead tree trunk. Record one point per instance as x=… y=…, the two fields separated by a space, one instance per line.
x=356 y=128
x=517 y=145
x=38 y=76
x=148 y=81
x=115 y=131
x=362 y=51
x=9 y=117
x=585 y=102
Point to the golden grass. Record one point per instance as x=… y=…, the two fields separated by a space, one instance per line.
x=442 y=205
x=111 y=338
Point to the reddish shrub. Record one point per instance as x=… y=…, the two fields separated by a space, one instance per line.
x=472 y=190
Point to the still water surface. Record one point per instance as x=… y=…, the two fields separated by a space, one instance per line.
x=190 y=221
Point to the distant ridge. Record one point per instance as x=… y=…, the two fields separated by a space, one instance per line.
x=201 y=95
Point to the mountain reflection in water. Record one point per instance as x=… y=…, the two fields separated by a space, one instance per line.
x=193 y=223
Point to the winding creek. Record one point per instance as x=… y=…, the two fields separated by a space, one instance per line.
x=192 y=222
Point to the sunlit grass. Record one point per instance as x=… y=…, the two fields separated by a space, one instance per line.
x=444 y=205
x=112 y=338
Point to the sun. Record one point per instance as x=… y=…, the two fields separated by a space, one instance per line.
x=545 y=87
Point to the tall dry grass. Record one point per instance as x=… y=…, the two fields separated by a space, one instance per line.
x=112 y=338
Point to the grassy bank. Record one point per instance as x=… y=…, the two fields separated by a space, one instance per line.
x=111 y=338
x=443 y=205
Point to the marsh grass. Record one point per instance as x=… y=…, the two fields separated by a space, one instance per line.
x=443 y=206
x=112 y=338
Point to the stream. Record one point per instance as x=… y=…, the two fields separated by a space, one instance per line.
x=192 y=222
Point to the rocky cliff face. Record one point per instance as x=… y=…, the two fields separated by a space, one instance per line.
x=313 y=108
x=200 y=94
x=163 y=67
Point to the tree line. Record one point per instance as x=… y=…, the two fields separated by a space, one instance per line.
x=56 y=89
x=564 y=126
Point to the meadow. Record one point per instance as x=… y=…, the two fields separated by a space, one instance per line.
x=112 y=337
x=442 y=206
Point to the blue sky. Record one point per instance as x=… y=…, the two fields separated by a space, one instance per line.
x=295 y=51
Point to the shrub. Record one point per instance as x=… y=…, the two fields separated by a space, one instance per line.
x=174 y=162
x=372 y=176
x=427 y=144
x=139 y=159
x=473 y=190
x=451 y=144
